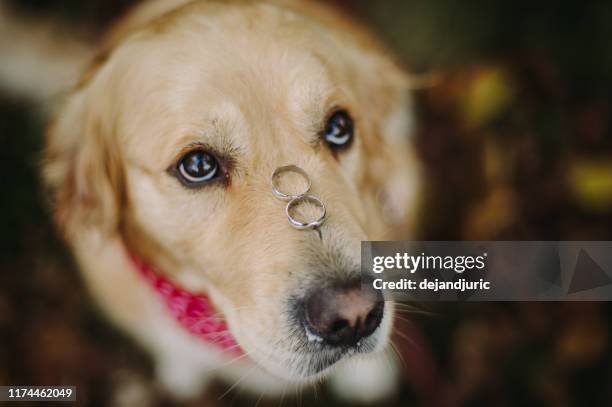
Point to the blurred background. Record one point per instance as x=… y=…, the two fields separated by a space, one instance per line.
x=516 y=136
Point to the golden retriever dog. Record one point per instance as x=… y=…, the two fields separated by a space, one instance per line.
x=160 y=165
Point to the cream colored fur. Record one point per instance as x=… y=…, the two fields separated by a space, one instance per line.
x=255 y=80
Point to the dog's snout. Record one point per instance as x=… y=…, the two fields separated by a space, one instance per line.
x=342 y=316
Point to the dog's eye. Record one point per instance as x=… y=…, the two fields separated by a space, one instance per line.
x=338 y=132
x=198 y=167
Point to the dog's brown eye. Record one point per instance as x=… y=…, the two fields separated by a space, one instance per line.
x=339 y=129
x=197 y=167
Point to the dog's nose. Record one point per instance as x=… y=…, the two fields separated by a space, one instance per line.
x=343 y=315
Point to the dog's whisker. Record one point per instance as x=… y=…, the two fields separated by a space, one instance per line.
x=398 y=353
x=213 y=335
x=283 y=395
x=389 y=357
x=234 y=360
x=237 y=393
x=402 y=318
x=261 y=396
x=408 y=309
x=406 y=338
x=237 y=382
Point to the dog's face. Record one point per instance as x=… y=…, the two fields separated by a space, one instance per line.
x=171 y=144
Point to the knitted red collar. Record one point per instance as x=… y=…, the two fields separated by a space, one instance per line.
x=195 y=312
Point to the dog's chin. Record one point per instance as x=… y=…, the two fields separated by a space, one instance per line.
x=314 y=365
x=311 y=359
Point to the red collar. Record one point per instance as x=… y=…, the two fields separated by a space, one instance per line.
x=195 y=312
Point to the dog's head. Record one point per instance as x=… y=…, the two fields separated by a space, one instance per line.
x=170 y=143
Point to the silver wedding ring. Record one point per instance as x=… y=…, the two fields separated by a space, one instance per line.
x=295 y=199
x=289 y=168
x=305 y=225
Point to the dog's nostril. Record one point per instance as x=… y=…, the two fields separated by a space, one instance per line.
x=373 y=319
x=339 y=325
x=343 y=315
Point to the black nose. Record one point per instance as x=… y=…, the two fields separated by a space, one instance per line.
x=343 y=315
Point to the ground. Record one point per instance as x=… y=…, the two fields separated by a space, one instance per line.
x=516 y=134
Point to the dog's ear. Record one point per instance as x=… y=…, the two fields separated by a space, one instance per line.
x=82 y=170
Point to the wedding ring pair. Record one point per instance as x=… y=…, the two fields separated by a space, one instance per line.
x=296 y=199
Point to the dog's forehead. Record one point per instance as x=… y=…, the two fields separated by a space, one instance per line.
x=232 y=59
x=193 y=77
